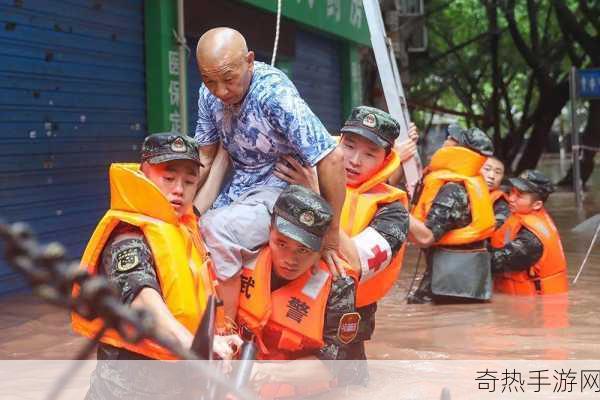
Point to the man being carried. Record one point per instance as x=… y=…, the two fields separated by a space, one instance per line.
x=454 y=216
x=256 y=114
x=527 y=255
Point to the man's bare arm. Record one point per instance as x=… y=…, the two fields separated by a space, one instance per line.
x=211 y=186
x=166 y=324
x=419 y=233
x=207 y=156
x=332 y=182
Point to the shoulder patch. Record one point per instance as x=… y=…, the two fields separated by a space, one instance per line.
x=348 y=327
x=128 y=258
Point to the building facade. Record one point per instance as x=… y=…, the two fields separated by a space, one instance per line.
x=82 y=82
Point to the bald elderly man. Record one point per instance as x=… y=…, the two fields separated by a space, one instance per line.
x=256 y=113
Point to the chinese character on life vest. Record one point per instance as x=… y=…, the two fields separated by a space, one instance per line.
x=297 y=309
x=246 y=284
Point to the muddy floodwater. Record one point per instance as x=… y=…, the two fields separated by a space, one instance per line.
x=506 y=328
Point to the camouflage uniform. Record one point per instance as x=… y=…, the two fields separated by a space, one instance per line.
x=525 y=249
x=288 y=212
x=450 y=208
x=390 y=221
x=113 y=378
x=342 y=301
x=129 y=282
x=501 y=212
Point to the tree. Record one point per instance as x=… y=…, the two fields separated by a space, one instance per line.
x=503 y=66
x=584 y=31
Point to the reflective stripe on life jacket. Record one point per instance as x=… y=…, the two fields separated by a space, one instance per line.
x=461 y=165
x=288 y=320
x=181 y=261
x=549 y=274
x=360 y=207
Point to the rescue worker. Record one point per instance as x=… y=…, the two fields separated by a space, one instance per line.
x=148 y=245
x=374 y=218
x=527 y=255
x=452 y=218
x=493 y=173
x=292 y=303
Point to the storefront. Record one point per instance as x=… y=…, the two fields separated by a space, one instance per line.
x=82 y=82
x=318 y=48
x=72 y=100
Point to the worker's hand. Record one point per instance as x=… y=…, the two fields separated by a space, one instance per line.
x=227 y=346
x=293 y=172
x=406 y=150
x=331 y=253
x=413 y=132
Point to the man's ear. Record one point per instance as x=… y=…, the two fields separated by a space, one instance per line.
x=250 y=57
x=537 y=205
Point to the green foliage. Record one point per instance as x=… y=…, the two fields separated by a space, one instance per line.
x=456 y=72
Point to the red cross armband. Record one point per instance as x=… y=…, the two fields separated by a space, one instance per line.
x=374 y=252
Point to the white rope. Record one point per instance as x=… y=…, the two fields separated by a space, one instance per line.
x=276 y=33
x=587 y=255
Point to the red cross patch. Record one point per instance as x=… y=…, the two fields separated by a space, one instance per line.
x=379 y=257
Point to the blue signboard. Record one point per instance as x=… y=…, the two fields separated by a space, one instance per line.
x=588 y=82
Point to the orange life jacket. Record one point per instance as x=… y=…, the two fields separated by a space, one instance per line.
x=461 y=165
x=181 y=261
x=495 y=196
x=289 y=320
x=549 y=273
x=360 y=206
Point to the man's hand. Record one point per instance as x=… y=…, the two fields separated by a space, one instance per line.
x=295 y=173
x=413 y=132
x=408 y=148
x=331 y=253
x=227 y=346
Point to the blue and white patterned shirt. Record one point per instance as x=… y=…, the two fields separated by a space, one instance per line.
x=272 y=121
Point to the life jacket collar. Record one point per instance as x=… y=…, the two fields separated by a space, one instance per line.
x=390 y=164
x=127 y=182
x=457 y=159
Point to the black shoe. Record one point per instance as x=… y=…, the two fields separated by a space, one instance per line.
x=419 y=299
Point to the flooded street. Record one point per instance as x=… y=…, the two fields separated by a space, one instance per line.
x=508 y=327
x=505 y=328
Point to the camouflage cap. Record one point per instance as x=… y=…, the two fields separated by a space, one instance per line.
x=533 y=181
x=302 y=215
x=162 y=147
x=374 y=124
x=472 y=138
